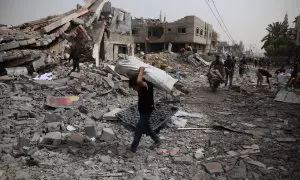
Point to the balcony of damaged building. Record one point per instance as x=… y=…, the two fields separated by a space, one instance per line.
x=34 y=46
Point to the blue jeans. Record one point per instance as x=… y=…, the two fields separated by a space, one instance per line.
x=143 y=127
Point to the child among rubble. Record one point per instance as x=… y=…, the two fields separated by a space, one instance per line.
x=145 y=107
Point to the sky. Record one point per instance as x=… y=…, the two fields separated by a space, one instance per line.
x=246 y=20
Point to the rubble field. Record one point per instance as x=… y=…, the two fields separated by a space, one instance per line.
x=66 y=128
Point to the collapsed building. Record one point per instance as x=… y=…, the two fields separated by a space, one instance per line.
x=39 y=43
x=151 y=35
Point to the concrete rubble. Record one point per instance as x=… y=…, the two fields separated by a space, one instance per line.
x=66 y=127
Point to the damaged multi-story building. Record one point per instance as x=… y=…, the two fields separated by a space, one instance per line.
x=36 y=44
x=120 y=39
x=152 y=35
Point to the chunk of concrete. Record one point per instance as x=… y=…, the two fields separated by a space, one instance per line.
x=52 y=138
x=90 y=131
x=97 y=115
x=53 y=118
x=199 y=154
x=107 y=135
x=23 y=142
x=111 y=116
x=109 y=81
x=213 y=167
x=16 y=71
x=77 y=138
x=53 y=126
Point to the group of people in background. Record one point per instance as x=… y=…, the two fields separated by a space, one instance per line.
x=263 y=66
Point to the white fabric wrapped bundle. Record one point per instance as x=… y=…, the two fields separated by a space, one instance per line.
x=130 y=65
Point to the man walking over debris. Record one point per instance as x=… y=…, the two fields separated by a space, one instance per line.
x=260 y=73
x=242 y=66
x=229 y=70
x=145 y=107
x=218 y=68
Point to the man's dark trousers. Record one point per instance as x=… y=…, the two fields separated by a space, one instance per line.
x=143 y=127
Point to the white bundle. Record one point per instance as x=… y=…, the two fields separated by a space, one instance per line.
x=129 y=65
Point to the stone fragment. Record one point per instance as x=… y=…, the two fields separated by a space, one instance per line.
x=90 y=131
x=213 y=167
x=183 y=160
x=150 y=159
x=109 y=81
x=256 y=163
x=199 y=154
x=77 y=138
x=23 y=142
x=53 y=126
x=97 y=115
x=232 y=153
x=53 y=118
x=52 y=138
x=107 y=135
x=105 y=159
x=111 y=116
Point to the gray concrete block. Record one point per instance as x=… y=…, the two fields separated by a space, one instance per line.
x=53 y=118
x=90 y=131
x=107 y=135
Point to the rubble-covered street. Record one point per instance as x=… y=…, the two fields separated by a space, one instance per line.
x=239 y=133
x=58 y=123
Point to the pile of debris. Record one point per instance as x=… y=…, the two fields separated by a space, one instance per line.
x=43 y=42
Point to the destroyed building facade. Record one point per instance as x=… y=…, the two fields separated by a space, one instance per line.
x=152 y=35
x=120 y=39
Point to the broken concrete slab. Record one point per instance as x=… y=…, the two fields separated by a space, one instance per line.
x=109 y=81
x=287 y=96
x=23 y=142
x=213 y=167
x=107 y=135
x=64 y=20
x=78 y=21
x=53 y=126
x=16 y=71
x=97 y=115
x=111 y=116
x=90 y=131
x=77 y=138
x=52 y=138
x=256 y=163
x=53 y=118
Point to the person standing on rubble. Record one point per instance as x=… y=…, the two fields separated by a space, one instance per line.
x=78 y=50
x=145 y=107
x=242 y=66
x=229 y=70
x=260 y=73
x=217 y=68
